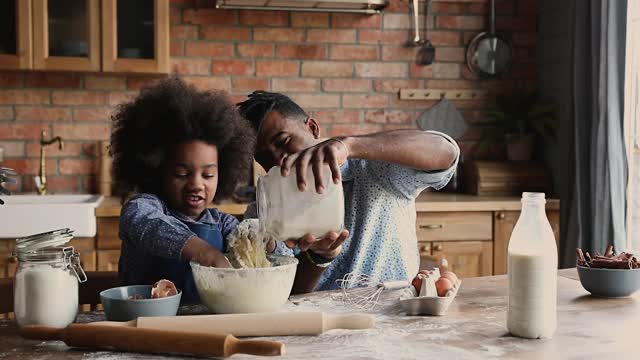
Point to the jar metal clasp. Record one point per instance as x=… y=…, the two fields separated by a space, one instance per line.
x=72 y=262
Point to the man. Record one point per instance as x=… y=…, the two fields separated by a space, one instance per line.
x=381 y=173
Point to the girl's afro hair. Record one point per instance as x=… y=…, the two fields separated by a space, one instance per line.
x=170 y=112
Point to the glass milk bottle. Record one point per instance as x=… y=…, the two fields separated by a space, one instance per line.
x=532 y=263
x=285 y=212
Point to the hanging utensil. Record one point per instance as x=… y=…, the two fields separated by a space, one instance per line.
x=489 y=54
x=427 y=52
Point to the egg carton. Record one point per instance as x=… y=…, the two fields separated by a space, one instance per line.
x=430 y=305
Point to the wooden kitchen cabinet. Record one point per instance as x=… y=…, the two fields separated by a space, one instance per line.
x=453 y=226
x=504 y=222
x=86 y=248
x=466 y=258
x=107 y=233
x=66 y=35
x=7 y=262
x=15 y=34
x=474 y=242
x=426 y=260
x=108 y=260
x=85 y=35
x=135 y=36
x=463 y=238
x=471 y=232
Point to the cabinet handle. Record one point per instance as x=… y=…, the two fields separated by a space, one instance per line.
x=438 y=247
x=431 y=226
x=424 y=249
x=501 y=216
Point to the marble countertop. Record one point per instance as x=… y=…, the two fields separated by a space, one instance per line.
x=473 y=328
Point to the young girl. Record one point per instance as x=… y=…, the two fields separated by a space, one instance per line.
x=176 y=149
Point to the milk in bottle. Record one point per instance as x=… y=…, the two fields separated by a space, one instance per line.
x=532 y=264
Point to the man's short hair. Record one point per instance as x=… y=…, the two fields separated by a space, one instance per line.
x=261 y=103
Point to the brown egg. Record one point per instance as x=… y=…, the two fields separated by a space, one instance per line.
x=163 y=288
x=443 y=285
x=417 y=282
x=451 y=276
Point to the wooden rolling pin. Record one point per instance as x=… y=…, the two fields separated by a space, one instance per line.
x=258 y=324
x=152 y=340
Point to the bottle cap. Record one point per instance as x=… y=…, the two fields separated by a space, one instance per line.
x=533 y=196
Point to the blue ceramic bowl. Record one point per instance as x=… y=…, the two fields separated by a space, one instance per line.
x=118 y=306
x=609 y=282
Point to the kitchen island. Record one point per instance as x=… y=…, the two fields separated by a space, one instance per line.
x=473 y=328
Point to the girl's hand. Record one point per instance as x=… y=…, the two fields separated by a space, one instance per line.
x=214 y=258
x=204 y=254
x=328 y=246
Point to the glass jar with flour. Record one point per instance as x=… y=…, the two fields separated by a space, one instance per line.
x=46 y=282
x=285 y=212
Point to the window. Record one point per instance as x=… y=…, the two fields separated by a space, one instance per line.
x=632 y=124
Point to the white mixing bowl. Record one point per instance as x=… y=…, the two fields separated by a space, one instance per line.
x=227 y=291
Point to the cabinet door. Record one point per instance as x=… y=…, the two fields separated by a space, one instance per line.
x=107 y=233
x=15 y=34
x=504 y=222
x=8 y=263
x=86 y=248
x=554 y=220
x=466 y=258
x=88 y=260
x=135 y=36
x=108 y=260
x=7 y=266
x=426 y=260
x=453 y=226
x=66 y=35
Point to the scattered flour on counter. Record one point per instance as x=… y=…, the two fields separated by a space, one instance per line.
x=108 y=355
x=247 y=246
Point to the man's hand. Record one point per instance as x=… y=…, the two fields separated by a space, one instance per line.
x=328 y=246
x=333 y=152
x=204 y=254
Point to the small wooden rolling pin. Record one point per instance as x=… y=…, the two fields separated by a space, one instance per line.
x=152 y=340
x=258 y=324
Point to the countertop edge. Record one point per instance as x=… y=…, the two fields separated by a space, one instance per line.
x=426 y=202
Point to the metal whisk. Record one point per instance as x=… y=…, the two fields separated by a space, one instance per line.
x=359 y=290
x=7 y=175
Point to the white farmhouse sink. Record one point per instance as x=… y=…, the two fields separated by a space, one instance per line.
x=23 y=215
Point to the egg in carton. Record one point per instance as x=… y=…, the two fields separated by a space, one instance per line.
x=427 y=301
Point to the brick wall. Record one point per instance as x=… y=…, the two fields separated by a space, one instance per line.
x=346 y=69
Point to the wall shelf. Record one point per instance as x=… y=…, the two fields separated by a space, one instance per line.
x=435 y=94
x=350 y=6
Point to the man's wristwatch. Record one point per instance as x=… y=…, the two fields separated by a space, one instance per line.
x=317 y=260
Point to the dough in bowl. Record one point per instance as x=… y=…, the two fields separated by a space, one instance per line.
x=247 y=246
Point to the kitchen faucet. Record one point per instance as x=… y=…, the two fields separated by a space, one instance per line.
x=41 y=179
